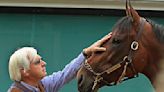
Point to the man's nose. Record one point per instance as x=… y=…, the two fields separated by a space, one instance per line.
x=43 y=62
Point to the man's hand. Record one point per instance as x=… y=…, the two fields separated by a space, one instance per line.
x=96 y=46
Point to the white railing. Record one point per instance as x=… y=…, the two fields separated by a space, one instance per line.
x=100 y=4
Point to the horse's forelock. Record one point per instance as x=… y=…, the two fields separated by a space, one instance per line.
x=124 y=24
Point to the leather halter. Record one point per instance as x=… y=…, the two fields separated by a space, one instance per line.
x=127 y=61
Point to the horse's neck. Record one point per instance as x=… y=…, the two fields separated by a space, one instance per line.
x=153 y=68
x=154 y=58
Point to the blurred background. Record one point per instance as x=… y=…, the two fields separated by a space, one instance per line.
x=60 y=29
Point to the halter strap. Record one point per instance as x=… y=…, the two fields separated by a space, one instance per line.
x=131 y=54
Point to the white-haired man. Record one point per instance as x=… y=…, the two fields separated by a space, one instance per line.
x=28 y=71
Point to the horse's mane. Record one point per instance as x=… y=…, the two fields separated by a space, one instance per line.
x=125 y=24
x=158 y=30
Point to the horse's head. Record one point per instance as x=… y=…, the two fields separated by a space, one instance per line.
x=125 y=56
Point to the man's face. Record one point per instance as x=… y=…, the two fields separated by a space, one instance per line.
x=37 y=68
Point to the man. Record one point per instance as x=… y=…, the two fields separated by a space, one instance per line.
x=27 y=70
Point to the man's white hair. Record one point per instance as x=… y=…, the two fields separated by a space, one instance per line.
x=21 y=59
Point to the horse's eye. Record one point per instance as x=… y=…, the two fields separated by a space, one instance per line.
x=116 y=41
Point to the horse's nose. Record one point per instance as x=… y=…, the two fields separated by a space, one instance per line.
x=82 y=84
x=85 y=82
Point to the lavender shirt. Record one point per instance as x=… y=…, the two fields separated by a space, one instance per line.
x=54 y=82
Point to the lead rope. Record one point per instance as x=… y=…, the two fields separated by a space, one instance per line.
x=97 y=79
x=123 y=73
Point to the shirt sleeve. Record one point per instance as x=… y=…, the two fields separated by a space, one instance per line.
x=55 y=81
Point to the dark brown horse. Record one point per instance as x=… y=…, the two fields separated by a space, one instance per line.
x=136 y=46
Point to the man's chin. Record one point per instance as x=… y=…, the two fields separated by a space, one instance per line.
x=44 y=75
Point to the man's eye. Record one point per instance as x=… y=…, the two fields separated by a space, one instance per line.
x=37 y=62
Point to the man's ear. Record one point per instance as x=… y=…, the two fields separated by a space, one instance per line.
x=24 y=72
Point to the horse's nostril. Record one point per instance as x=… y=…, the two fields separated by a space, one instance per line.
x=80 y=80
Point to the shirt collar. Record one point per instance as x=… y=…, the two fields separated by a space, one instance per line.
x=30 y=87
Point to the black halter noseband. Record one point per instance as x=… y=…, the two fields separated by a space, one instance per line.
x=126 y=62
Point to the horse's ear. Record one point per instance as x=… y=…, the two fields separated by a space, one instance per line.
x=132 y=13
x=127 y=8
x=135 y=16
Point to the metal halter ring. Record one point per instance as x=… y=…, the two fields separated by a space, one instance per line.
x=126 y=59
x=134 y=45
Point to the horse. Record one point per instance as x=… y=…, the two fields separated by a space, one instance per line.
x=136 y=46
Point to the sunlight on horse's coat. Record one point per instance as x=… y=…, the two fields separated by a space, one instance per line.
x=159 y=81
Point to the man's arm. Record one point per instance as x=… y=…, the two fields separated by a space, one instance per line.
x=54 y=82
